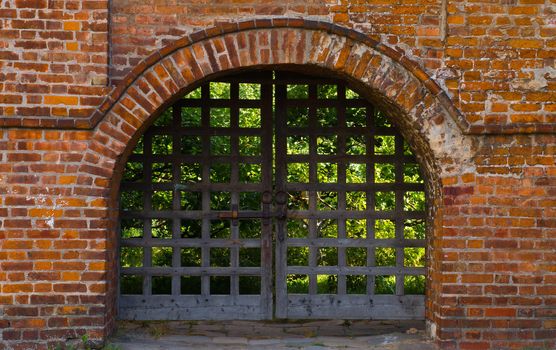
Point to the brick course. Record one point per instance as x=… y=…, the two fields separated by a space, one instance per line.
x=474 y=98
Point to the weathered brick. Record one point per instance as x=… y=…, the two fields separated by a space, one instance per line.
x=490 y=246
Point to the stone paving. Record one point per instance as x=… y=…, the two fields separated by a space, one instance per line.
x=267 y=335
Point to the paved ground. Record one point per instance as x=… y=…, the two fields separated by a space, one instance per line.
x=270 y=335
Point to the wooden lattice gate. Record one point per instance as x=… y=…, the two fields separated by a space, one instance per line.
x=268 y=162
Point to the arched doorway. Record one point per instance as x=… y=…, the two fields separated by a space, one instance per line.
x=272 y=194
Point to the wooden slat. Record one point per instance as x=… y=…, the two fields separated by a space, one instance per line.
x=281 y=306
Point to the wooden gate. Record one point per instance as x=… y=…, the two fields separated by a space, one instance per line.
x=268 y=161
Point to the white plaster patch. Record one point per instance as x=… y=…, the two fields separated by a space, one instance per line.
x=454 y=150
x=538 y=82
x=445 y=73
x=50 y=222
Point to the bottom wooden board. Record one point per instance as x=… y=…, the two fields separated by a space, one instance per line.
x=371 y=307
x=242 y=307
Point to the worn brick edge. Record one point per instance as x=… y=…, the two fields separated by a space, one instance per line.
x=273 y=23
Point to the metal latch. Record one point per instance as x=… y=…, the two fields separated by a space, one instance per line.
x=280 y=212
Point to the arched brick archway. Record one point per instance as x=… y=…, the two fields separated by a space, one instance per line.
x=421 y=110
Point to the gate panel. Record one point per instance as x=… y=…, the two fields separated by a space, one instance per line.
x=355 y=223
x=210 y=152
x=196 y=207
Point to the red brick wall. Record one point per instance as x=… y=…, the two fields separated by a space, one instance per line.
x=52 y=239
x=53 y=57
x=492 y=276
x=496 y=58
x=499 y=248
x=139 y=28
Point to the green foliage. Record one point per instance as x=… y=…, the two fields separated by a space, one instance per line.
x=220 y=229
x=385 y=201
x=131 y=284
x=356 y=228
x=298 y=144
x=414 y=284
x=220 y=145
x=327 y=172
x=327 y=228
x=327 y=256
x=298 y=256
x=327 y=145
x=250 y=257
x=249 y=285
x=414 y=229
x=249 y=118
x=161 y=256
x=131 y=200
x=297 y=117
x=356 y=284
x=414 y=257
x=191 y=116
x=219 y=90
x=385 y=284
x=133 y=172
x=356 y=117
x=356 y=256
x=297 y=91
x=350 y=94
x=250 y=228
x=298 y=172
x=249 y=91
x=250 y=145
x=384 y=173
x=327 y=284
x=165 y=118
x=298 y=284
x=384 y=145
x=190 y=257
x=356 y=173
x=162 y=200
x=298 y=228
x=131 y=256
x=414 y=201
x=131 y=228
x=355 y=145
x=220 y=117
x=191 y=145
x=327 y=117
x=327 y=200
x=162 y=144
x=139 y=146
x=195 y=94
x=220 y=257
x=327 y=91
x=385 y=229
x=385 y=256
x=250 y=173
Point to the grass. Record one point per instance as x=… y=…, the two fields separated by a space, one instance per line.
x=84 y=345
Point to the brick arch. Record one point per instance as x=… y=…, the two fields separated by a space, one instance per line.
x=423 y=111
x=418 y=106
